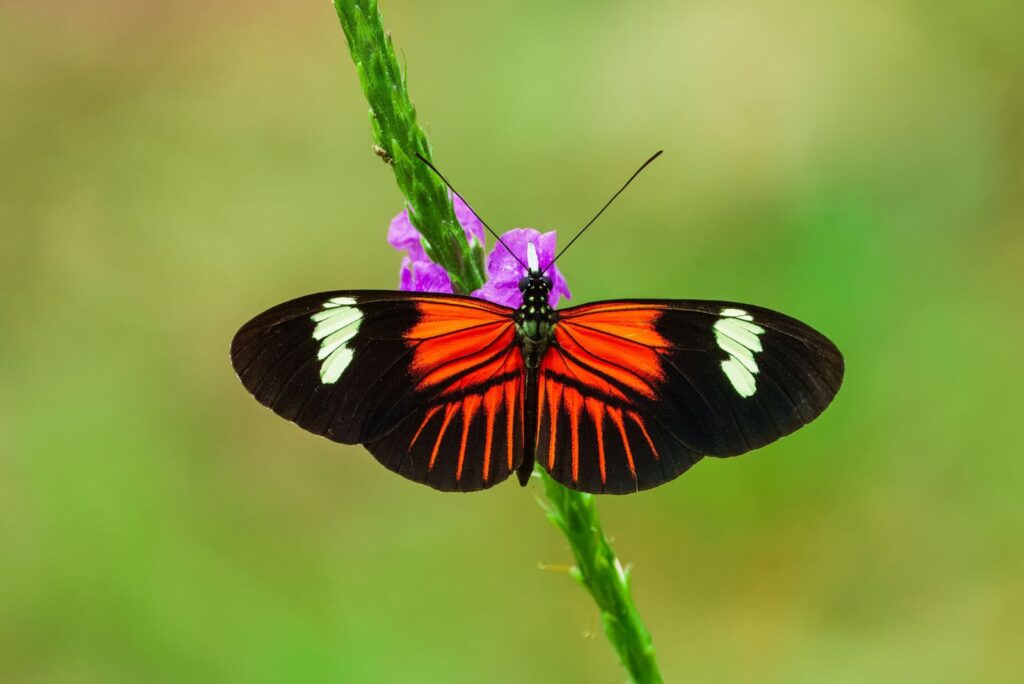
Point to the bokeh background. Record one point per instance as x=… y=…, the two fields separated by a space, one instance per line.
x=170 y=169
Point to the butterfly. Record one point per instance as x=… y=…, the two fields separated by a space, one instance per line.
x=611 y=397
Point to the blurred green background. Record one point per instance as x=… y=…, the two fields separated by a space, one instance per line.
x=170 y=169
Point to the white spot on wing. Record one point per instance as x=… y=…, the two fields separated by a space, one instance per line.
x=741 y=378
x=336 y=325
x=335 y=340
x=742 y=331
x=740 y=353
x=738 y=336
x=339 y=318
x=335 y=365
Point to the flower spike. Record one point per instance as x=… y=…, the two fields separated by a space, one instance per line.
x=496 y=236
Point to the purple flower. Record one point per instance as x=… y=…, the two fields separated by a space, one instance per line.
x=423 y=276
x=504 y=272
x=419 y=273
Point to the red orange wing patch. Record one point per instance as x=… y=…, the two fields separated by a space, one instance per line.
x=602 y=372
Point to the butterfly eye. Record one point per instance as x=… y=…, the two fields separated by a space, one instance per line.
x=523 y=282
x=547 y=282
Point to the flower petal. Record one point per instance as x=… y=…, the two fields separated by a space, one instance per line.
x=473 y=227
x=423 y=276
x=403 y=235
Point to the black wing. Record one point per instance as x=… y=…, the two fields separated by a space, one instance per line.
x=632 y=393
x=431 y=384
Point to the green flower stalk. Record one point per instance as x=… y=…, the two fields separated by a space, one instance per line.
x=399 y=139
x=598 y=569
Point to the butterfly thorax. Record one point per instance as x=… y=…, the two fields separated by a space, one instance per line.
x=535 y=319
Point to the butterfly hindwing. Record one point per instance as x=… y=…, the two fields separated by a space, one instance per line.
x=632 y=393
x=431 y=384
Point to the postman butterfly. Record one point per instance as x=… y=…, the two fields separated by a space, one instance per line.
x=611 y=397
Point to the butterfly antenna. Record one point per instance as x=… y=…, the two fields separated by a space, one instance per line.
x=606 y=205
x=496 y=236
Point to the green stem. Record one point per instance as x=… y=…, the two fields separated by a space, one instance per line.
x=396 y=132
x=600 y=572
x=399 y=139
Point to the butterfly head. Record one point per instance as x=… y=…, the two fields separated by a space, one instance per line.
x=535 y=283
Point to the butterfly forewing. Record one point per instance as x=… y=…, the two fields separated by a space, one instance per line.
x=431 y=384
x=632 y=393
